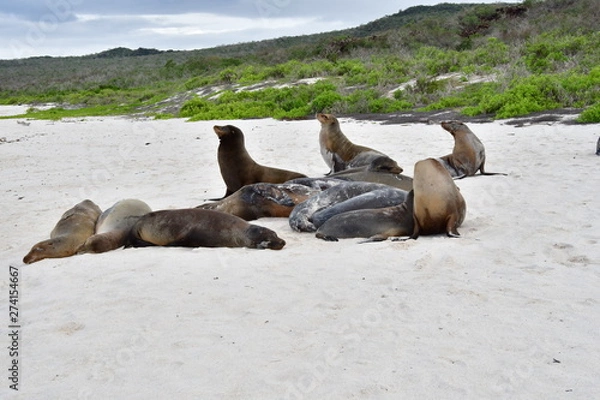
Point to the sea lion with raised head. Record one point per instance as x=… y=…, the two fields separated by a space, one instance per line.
x=113 y=226
x=72 y=230
x=238 y=168
x=438 y=205
x=374 y=224
x=195 y=227
x=340 y=153
x=468 y=154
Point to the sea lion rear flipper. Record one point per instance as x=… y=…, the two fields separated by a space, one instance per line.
x=451 y=228
x=494 y=173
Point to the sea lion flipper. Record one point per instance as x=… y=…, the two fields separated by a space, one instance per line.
x=451 y=227
x=415 y=234
x=374 y=238
x=327 y=238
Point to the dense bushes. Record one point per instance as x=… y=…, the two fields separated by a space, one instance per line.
x=506 y=61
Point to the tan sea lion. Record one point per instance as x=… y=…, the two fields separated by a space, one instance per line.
x=468 y=154
x=438 y=205
x=340 y=153
x=72 y=230
x=113 y=226
x=374 y=224
x=238 y=168
x=195 y=227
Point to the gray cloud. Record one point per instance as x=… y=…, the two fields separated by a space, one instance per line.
x=76 y=27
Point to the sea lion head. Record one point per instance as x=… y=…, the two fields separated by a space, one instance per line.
x=385 y=164
x=264 y=238
x=227 y=131
x=44 y=249
x=327 y=119
x=453 y=126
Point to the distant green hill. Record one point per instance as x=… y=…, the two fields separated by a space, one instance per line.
x=502 y=59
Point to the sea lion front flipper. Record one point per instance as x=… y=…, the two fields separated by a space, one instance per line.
x=337 y=164
x=374 y=238
x=327 y=238
x=415 y=234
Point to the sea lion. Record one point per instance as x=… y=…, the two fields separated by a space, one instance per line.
x=373 y=224
x=195 y=227
x=340 y=153
x=373 y=160
x=468 y=154
x=238 y=168
x=113 y=226
x=371 y=173
x=301 y=217
x=374 y=199
x=71 y=231
x=262 y=200
x=438 y=205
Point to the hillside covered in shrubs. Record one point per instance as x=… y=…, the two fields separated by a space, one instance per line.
x=501 y=60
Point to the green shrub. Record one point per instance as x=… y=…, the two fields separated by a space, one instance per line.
x=590 y=115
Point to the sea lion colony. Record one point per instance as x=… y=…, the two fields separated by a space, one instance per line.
x=364 y=195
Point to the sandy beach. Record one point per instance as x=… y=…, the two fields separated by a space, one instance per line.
x=511 y=310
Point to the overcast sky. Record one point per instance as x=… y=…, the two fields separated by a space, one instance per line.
x=78 y=27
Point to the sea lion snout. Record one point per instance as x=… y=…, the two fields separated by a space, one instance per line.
x=219 y=130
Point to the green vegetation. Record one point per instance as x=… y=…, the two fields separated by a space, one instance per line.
x=494 y=59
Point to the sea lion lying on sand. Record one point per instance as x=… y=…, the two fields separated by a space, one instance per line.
x=373 y=224
x=113 y=226
x=302 y=216
x=195 y=227
x=72 y=230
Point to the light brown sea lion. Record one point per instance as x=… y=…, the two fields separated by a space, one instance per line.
x=72 y=230
x=195 y=227
x=374 y=224
x=468 y=154
x=238 y=168
x=438 y=205
x=113 y=226
x=340 y=153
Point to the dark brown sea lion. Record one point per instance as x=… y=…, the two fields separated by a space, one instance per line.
x=340 y=153
x=438 y=205
x=113 y=226
x=195 y=227
x=238 y=168
x=72 y=230
x=373 y=224
x=468 y=154
x=262 y=200
x=372 y=173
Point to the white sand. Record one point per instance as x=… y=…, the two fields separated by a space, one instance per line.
x=480 y=317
